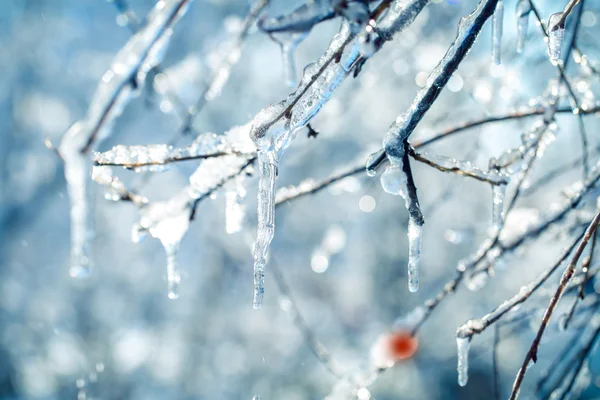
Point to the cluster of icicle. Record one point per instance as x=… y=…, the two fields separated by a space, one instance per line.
x=556 y=30
x=275 y=127
x=119 y=84
x=169 y=220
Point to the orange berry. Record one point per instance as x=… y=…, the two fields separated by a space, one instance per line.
x=402 y=345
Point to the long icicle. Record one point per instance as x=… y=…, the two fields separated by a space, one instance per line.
x=267 y=170
x=497 y=33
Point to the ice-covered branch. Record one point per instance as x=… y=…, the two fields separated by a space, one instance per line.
x=118 y=85
x=465 y=332
x=464 y=168
x=562 y=285
x=169 y=221
x=468 y=30
x=157 y=157
x=554 y=37
x=585 y=268
x=275 y=127
x=290 y=193
x=115 y=190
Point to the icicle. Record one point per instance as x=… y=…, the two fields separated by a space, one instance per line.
x=77 y=171
x=523 y=10
x=414 y=254
x=468 y=30
x=302 y=19
x=235 y=209
x=173 y=277
x=498 y=195
x=288 y=43
x=117 y=87
x=267 y=169
x=556 y=33
x=168 y=222
x=462 y=346
x=394 y=181
x=467 y=167
x=497 y=32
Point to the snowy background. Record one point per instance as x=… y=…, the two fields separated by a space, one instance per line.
x=342 y=251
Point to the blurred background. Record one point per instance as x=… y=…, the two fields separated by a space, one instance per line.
x=342 y=251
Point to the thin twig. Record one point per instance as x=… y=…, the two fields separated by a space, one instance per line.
x=318 y=349
x=564 y=280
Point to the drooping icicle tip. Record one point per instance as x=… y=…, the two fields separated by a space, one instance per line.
x=462 y=346
x=267 y=170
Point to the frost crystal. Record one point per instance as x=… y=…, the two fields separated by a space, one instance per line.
x=523 y=11
x=497 y=32
x=556 y=32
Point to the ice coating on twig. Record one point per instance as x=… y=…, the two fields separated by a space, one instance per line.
x=115 y=189
x=468 y=30
x=497 y=32
x=394 y=181
x=556 y=33
x=461 y=167
x=117 y=86
x=155 y=157
x=523 y=11
x=302 y=19
x=167 y=221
